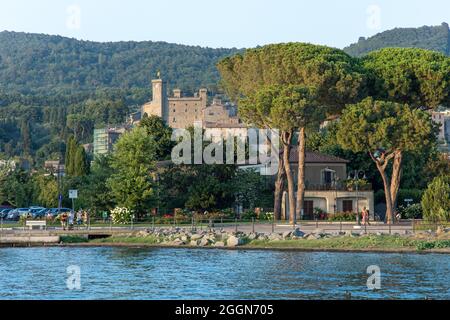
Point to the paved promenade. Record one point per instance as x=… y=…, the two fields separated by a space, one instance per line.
x=267 y=228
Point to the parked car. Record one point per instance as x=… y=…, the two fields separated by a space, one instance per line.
x=4 y=212
x=38 y=213
x=23 y=211
x=13 y=215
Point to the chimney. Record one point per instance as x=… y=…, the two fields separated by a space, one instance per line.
x=177 y=93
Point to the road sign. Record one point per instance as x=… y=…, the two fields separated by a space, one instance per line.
x=73 y=194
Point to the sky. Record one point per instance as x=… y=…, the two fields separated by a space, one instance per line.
x=220 y=23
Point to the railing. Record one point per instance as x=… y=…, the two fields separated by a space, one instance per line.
x=340 y=187
x=259 y=225
x=424 y=225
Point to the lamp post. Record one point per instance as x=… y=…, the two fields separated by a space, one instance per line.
x=356 y=177
x=335 y=181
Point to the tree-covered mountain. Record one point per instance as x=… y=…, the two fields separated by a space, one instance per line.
x=52 y=87
x=37 y=63
x=435 y=38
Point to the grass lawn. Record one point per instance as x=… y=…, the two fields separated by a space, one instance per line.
x=383 y=242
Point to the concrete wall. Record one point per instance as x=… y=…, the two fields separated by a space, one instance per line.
x=326 y=200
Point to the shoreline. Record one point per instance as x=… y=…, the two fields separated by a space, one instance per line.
x=240 y=248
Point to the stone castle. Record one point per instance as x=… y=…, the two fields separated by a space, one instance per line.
x=180 y=111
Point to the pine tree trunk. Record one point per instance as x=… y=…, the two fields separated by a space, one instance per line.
x=301 y=172
x=387 y=191
x=290 y=179
x=396 y=177
x=279 y=189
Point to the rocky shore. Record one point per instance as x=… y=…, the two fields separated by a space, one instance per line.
x=174 y=237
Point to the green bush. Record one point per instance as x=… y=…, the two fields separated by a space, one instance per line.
x=342 y=216
x=436 y=200
x=121 y=215
x=228 y=213
x=411 y=212
x=249 y=215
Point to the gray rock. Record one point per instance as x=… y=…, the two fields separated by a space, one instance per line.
x=275 y=237
x=313 y=236
x=252 y=236
x=219 y=244
x=297 y=233
x=178 y=242
x=196 y=236
x=286 y=234
x=233 y=241
x=204 y=242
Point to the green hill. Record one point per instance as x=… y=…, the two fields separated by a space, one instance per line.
x=435 y=38
x=53 y=64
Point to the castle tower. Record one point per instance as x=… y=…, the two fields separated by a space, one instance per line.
x=158 y=105
x=203 y=93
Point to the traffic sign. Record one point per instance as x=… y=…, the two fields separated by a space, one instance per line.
x=73 y=194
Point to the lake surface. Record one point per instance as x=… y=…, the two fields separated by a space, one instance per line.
x=124 y=273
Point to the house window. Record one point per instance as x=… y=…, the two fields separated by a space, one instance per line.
x=174 y=120
x=328 y=176
x=347 y=205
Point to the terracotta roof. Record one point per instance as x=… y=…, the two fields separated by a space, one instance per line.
x=315 y=157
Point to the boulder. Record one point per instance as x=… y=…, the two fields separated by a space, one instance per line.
x=297 y=233
x=234 y=241
x=204 y=242
x=193 y=243
x=252 y=236
x=219 y=244
x=275 y=237
x=313 y=236
x=287 y=234
x=178 y=242
x=196 y=237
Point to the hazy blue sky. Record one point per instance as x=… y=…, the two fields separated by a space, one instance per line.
x=220 y=23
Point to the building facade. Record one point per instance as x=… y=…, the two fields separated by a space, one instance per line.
x=104 y=139
x=180 y=112
x=442 y=118
x=326 y=188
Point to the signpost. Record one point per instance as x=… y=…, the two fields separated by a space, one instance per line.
x=73 y=194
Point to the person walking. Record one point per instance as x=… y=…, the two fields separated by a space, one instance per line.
x=79 y=218
x=71 y=219
x=63 y=219
x=365 y=216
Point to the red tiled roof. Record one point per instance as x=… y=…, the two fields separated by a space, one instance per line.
x=315 y=157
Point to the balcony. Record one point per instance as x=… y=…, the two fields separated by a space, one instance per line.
x=338 y=187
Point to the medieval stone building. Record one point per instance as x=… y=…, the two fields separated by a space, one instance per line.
x=180 y=111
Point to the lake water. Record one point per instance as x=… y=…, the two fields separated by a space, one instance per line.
x=123 y=273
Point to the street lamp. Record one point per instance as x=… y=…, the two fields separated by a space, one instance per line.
x=356 y=175
x=336 y=181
